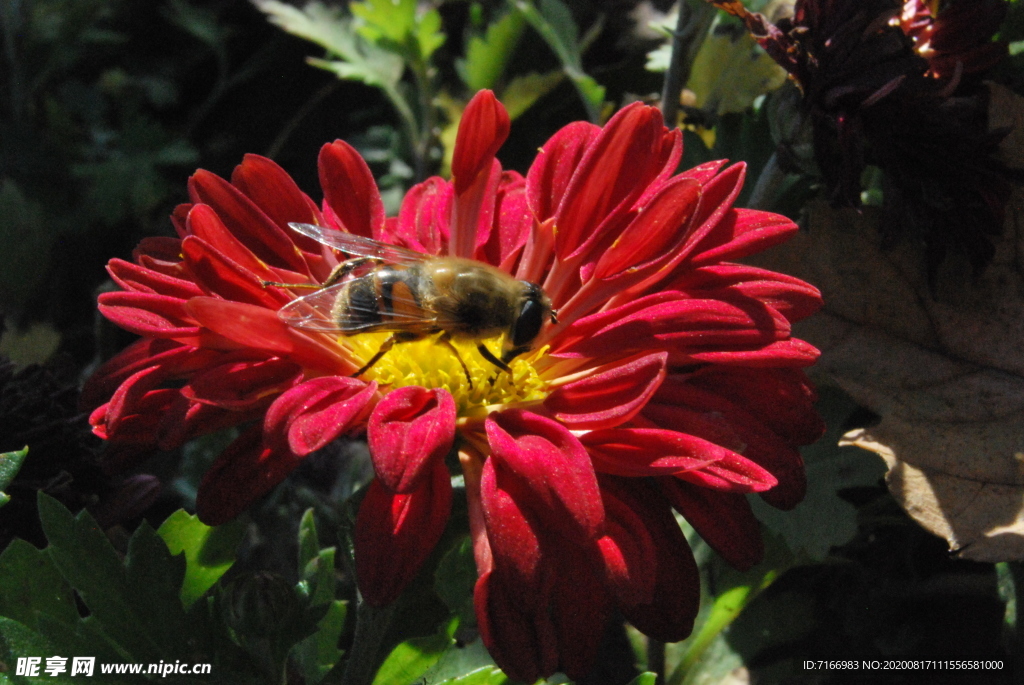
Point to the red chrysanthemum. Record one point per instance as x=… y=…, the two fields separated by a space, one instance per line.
x=670 y=380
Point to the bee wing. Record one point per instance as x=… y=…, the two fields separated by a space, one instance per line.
x=358 y=245
x=313 y=311
x=318 y=311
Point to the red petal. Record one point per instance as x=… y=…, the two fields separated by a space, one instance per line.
x=512 y=223
x=409 y=430
x=781 y=353
x=423 y=218
x=515 y=639
x=150 y=315
x=628 y=550
x=556 y=162
x=239 y=385
x=724 y=520
x=669 y=612
x=140 y=279
x=655 y=235
x=608 y=398
x=259 y=328
x=642 y=452
x=484 y=127
x=221 y=276
x=273 y=191
x=395 y=533
x=616 y=170
x=740 y=233
x=243 y=473
x=554 y=469
x=246 y=221
x=314 y=413
x=716 y=199
x=783 y=399
x=350 y=190
x=793 y=298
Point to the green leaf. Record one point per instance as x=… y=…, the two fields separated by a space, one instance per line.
x=824 y=519
x=209 y=552
x=455 y=579
x=411 y=659
x=309 y=542
x=398 y=26
x=18 y=640
x=488 y=55
x=32 y=586
x=137 y=603
x=488 y=675
x=730 y=72
x=554 y=22
x=645 y=679
x=523 y=91
x=319 y=652
x=10 y=464
x=329 y=28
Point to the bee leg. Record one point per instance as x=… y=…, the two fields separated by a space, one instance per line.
x=447 y=342
x=486 y=354
x=384 y=349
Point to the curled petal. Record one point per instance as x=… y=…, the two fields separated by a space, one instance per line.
x=555 y=469
x=668 y=611
x=243 y=473
x=242 y=384
x=140 y=279
x=793 y=298
x=629 y=552
x=640 y=452
x=423 y=218
x=314 y=413
x=608 y=398
x=350 y=190
x=273 y=191
x=150 y=315
x=246 y=221
x=522 y=647
x=409 y=430
x=723 y=519
x=740 y=233
x=484 y=127
x=230 y=280
x=395 y=533
x=556 y=162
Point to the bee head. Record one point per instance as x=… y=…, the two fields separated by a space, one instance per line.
x=534 y=309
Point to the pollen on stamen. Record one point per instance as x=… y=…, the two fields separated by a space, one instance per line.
x=429 y=364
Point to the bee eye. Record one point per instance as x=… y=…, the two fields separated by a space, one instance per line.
x=528 y=323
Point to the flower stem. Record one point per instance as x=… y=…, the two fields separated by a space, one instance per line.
x=692 y=23
x=364 y=659
x=769 y=182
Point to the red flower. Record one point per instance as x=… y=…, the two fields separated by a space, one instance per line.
x=670 y=379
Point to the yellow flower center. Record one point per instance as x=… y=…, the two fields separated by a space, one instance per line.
x=430 y=364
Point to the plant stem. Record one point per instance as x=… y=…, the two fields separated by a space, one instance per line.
x=769 y=182
x=691 y=25
x=364 y=659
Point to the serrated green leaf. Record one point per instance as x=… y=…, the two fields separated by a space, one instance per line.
x=18 y=640
x=411 y=659
x=730 y=72
x=209 y=552
x=398 y=26
x=488 y=55
x=138 y=607
x=32 y=586
x=824 y=520
x=10 y=464
x=329 y=28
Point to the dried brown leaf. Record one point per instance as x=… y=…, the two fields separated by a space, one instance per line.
x=942 y=366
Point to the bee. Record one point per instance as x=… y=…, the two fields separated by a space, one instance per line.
x=413 y=296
